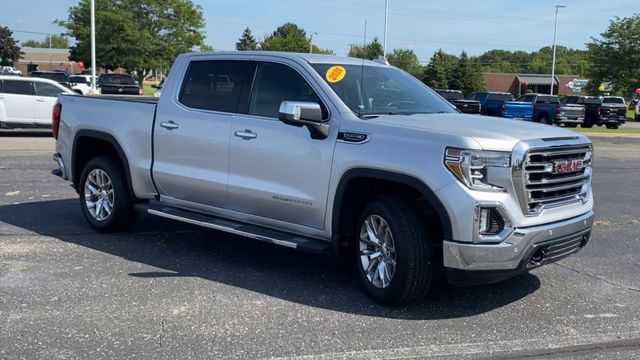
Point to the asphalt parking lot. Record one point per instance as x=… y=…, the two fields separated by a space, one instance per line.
x=169 y=290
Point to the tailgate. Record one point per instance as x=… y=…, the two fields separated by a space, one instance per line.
x=518 y=109
x=572 y=111
x=467 y=106
x=120 y=89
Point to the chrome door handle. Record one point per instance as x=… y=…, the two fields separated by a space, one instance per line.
x=40 y=100
x=169 y=125
x=246 y=134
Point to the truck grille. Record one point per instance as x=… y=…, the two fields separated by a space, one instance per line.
x=555 y=177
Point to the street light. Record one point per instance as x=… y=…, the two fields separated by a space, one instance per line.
x=311 y=42
x=384 y=40
x=93 y=46
x=555 y=39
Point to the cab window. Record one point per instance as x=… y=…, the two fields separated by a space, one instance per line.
x=44 y=89
x=216 y=85
x=18 y=87
x=276 y=83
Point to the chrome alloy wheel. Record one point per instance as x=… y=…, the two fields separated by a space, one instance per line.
x=98 y=194
x=377 y=251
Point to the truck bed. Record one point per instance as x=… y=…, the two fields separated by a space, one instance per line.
x=127 y=120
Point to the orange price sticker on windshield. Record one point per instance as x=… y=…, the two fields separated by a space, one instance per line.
x=335 y=74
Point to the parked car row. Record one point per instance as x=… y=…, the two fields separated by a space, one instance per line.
x=571 y=111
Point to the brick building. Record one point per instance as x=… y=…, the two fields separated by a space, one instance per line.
x=46 y=59
x=518 y=84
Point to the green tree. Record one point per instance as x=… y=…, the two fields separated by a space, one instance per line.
x=57 y=42
x=406 y=60
x=288 y=37
x=615 y=58
x=466 y=75
x=136 y=35
x=247 y=41
x=371 y=51
x=9 y=49
x=437 y=73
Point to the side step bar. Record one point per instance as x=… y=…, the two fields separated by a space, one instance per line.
x=251 y=231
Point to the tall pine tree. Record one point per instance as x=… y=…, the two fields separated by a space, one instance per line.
x=437 y=72
x=466 y=75
x=247 y=41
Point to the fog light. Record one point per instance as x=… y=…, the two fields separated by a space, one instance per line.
x=490 y=221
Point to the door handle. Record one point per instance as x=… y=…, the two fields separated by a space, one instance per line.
x=246 y=134
x=40 y=100
x=169 y=125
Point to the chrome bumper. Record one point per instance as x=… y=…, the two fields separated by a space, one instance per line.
x=61 y=170
x=521 y=249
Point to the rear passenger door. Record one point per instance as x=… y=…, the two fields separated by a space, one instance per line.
x=191 y=133
x=18 y=98
x=278 y=174
x=46 y=96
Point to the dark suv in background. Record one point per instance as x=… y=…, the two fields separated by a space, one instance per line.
x=456 y=98
x=60 y=77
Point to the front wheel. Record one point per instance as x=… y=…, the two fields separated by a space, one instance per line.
x=104 y=196
x=395 y=252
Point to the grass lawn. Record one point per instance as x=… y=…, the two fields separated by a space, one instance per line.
x=610 y=132
x=148 y=90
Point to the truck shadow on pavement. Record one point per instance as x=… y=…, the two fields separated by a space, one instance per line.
x=26 y=133
x=182 y=250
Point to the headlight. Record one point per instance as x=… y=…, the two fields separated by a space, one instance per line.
x=470 y=166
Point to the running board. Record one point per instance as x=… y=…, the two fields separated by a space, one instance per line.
x=251 y=231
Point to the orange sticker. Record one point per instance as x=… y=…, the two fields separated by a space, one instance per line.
x=335 y=74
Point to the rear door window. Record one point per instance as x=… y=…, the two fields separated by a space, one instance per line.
x=217 y=85
x=276 y=83
x=18 y=87
x=44 y=89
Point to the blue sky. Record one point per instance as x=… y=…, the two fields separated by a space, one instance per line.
x=422 y=25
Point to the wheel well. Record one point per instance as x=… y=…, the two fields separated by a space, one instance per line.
x=355 y=192
x=88 y=147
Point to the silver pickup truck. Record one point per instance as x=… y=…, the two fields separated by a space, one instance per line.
x=325 y=153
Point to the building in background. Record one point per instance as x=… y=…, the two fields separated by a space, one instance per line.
x=518 y=84
x=45 y=59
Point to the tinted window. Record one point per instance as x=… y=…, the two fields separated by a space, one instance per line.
x=451 y=95
x=568 y=100
x=18 y=87
x=591 y=100
x=547 y=100
x=526 y=98
x=55 y=76
x=44 y=89
x=215 y=85
x=116 y=79
x=276 y=83
x=79 y=80
x=500 y=97
x=613 y=100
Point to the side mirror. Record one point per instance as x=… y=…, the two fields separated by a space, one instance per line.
x=309 y=114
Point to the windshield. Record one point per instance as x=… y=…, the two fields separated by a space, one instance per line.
x=116 y=79
x=613 y=100
x=500 y=97
x=451 y=95
x=79 y=79
x=386 y=90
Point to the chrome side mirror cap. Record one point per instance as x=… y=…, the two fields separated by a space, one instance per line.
x=309 y=114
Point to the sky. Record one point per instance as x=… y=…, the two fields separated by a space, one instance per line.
x=422 y=25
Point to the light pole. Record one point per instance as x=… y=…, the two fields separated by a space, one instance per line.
x=384 y=40
x=555 y=39
x=93 y=46
x=311 y=42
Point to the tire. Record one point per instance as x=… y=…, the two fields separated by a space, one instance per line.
x=103 y=182
x=587 y=124
x=544 y=120
x=612 y=126
x=571 y=125
x=410 y=247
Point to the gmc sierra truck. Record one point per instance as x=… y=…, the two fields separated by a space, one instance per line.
x=324 y=153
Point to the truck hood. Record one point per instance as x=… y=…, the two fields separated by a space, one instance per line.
x=491 y=133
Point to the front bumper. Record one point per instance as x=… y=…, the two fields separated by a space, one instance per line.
x=525 y=249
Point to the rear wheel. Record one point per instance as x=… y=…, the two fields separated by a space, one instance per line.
x=612 y=126
x=104 y=196
x=544 y=119
x=394 y=254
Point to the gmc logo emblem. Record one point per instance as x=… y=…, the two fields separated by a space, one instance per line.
x=567 y=166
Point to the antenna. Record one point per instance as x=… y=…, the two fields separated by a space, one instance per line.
x=364 y=46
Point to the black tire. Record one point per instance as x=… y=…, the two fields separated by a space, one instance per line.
x=612 y=126
x=571 y=125
x=544 y=119
x=415 y=267
x=122 y=213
